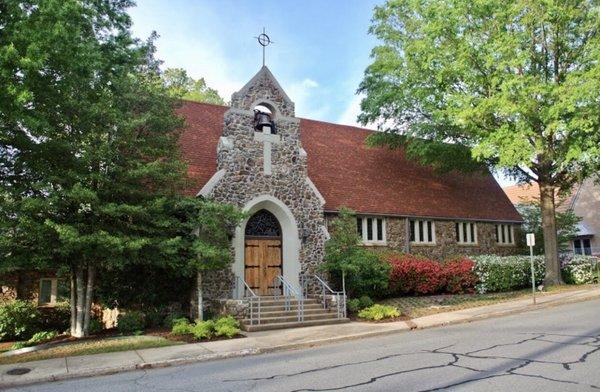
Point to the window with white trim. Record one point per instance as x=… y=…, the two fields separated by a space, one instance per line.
x=48 y=291
x=422 y=231
x=505 y=234
x=371 y=229
x=466 y=233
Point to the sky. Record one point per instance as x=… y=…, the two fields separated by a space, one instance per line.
x=319 y=53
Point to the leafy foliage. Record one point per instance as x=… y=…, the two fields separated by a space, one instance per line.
x=131 y=322
x=415 y=275
x=18 y=320
x=181 y=326
x=183 y=86
x=91 y=177
x=566 y=225
x=460 y=276
x=379 y=312
x=364 y=271
x=38 y=338
x=225 y=326
x=511 y=85
x=356 y=304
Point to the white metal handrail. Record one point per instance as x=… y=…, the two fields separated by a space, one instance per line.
x=340 y=296
x=288 y=292
x=252 y=299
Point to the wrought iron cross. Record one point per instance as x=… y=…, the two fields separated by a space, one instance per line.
x=264 y=41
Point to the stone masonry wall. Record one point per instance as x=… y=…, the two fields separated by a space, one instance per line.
x=245 y=180
x=446 y=245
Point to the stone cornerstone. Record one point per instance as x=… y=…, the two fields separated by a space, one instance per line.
x=241 y=178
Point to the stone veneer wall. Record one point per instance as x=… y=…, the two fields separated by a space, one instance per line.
x=244 y=179
x=22 y=285
x=446 y=245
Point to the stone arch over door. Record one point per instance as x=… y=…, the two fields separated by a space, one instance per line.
x=290 y=240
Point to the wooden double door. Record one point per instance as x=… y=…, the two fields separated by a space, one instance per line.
x=262 y=264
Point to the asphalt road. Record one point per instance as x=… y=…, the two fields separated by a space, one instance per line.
x=556 y=349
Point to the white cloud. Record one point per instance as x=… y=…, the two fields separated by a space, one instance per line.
x=350 y=115
x=303 y=93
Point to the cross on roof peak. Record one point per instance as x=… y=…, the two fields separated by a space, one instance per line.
x=264 y=40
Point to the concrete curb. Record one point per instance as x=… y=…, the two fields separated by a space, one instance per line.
x=414 y=324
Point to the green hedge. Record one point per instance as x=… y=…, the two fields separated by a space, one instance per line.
x=505 y=273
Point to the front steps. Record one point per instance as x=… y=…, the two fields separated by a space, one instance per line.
x=274 y=316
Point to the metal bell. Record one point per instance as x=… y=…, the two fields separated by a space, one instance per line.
x=261 y=120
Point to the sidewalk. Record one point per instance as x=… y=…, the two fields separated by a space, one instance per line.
x=262 y=342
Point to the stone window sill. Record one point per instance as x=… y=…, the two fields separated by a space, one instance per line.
x=430 y=244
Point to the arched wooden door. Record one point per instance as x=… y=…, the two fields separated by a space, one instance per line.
x=262 y=255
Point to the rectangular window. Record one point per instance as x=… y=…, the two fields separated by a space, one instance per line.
x=466 y=233
x=371 y=230
x=582 y=246
x=422 y=232
x=505 y=234
x=48 y=288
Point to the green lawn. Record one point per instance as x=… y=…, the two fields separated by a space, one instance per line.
x=414 y=307
x=92 y=346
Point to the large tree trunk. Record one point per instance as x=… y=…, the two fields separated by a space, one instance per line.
x=89 y=292
x=547 y=206
x=82 y=291
x=73 y=303
x=200 y=299
x=80 y=302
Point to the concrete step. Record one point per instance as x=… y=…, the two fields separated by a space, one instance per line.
x=279 y=302
x=294 y=317
x=293 y=324
x=293 y=312
x=294 y=307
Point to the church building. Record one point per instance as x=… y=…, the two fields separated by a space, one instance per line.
x=292 y=175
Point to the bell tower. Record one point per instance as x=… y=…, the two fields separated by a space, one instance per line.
x=261 y=165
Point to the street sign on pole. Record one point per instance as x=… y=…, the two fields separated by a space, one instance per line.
x=531 y=243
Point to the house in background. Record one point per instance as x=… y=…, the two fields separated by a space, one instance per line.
x=583 y=200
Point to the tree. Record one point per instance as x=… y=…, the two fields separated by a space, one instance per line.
x=92 y=178
x=566 y=225
x=183 y=86
x=509 y=85
x=364 y=271
x=343 y=244
x=214 y=230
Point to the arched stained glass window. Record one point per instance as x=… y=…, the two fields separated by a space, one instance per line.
x=263 y=224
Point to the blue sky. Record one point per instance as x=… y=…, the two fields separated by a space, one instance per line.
x=319 y=54
x=320 y=50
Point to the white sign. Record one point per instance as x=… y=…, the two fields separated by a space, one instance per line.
x=530 y=239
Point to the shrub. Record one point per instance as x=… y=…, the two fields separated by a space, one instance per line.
x=18 y=320
x=581 y=270
x=171 y=318
x=356 y=304
x=56 y=318
x=96 y=326
x=415 y=275
x=367 y=274
x=497 y=273
x=459 y=276
x=379 y=312
x=131 y=322
x=203 y=329
x=227 y=326
x=353 y=305
x=181 y=326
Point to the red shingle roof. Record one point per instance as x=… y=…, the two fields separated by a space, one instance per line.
x=347 y=173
